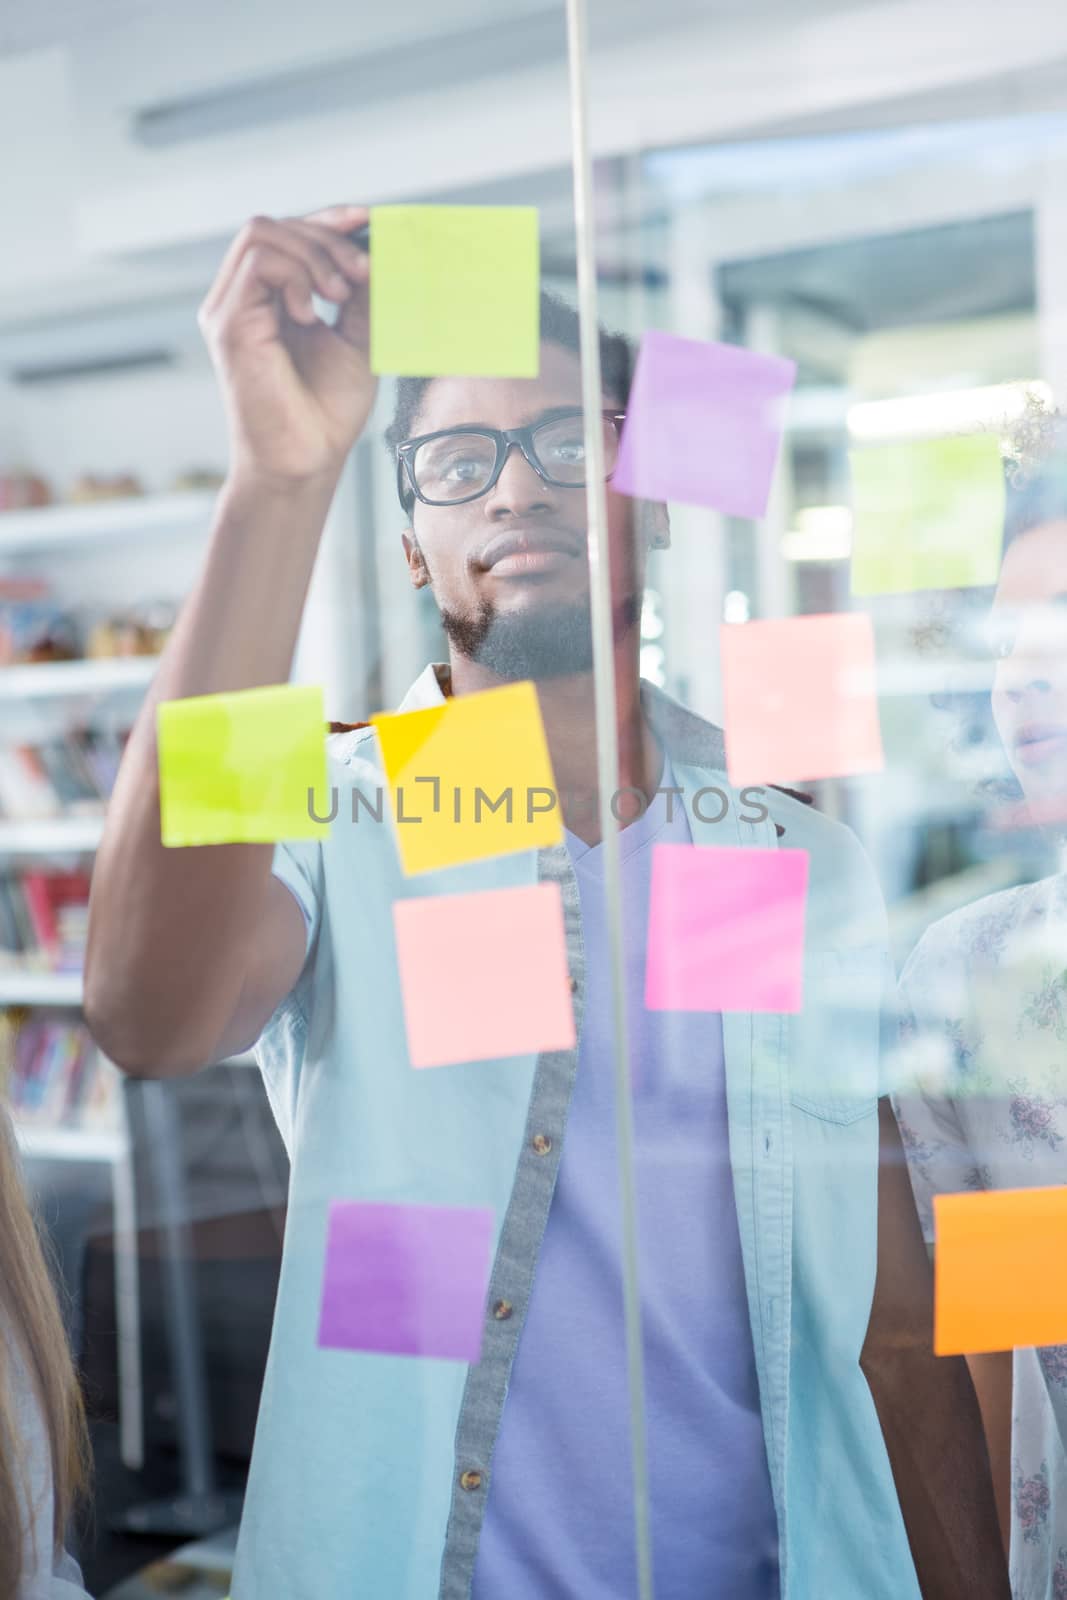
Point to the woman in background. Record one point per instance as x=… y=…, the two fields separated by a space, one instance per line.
x=43 y=1448
x=984 y=1012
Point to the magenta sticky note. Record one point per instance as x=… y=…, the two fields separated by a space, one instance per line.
x=484 y=975
x=800 y=698
x=726 y=928
x=406 y=1280
x=703 y=424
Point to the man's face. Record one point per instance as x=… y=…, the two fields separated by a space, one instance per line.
x=510 y=570
x=1029 y=621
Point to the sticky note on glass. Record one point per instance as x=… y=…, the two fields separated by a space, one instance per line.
x=484 y=975
x=800 y=698
x=455 y=290
x=999 y=1279
x=927 y=514
x=244 y=767
x=406 y=1280
x=470 y=779
x=726 y=928
x=703 y=424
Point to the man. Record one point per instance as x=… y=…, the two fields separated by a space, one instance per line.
x=757 y=1174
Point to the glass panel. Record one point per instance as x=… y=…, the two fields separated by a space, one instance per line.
x=754 y=803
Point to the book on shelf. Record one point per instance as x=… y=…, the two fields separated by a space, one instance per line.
x=52 y=1073
x=43 y=921
x=69 y=775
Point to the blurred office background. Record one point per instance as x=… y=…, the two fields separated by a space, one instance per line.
x=877 y=190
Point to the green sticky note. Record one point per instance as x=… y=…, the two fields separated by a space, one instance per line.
x=927 y=514
x=454 y=290
x=238 y=768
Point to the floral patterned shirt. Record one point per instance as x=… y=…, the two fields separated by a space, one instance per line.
x=983 y=1031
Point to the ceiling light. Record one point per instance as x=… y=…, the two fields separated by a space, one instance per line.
x=822 y=533
x=989 y=409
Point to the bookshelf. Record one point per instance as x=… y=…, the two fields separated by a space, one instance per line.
x=71 y=680
x=50 y=836
x=19 y=988
x=105 y=1145
x=97 y=551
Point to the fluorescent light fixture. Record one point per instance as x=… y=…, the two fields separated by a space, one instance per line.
x=822 y=533
x=925 y=416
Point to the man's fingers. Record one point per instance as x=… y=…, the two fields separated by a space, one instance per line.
x=264 y=274
x=347 y=257
x=300 y=244
x=342 y=218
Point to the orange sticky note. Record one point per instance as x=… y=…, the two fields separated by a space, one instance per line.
x=999 y=1270
x=800 y=700
x=484 y=975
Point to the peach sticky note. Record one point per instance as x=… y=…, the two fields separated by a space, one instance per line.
x=800 y=698
x=238 y=768
x=927 y=514
x=999 y=1279
x=726 y=928
x=484 y=975
x=469 y=779
x=406 y=1280
x=455 y=289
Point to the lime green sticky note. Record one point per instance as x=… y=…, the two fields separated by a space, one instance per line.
x=927 y=514
x=246 y=767
x=455 y=290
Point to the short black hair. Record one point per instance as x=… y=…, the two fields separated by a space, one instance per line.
x=559 y=325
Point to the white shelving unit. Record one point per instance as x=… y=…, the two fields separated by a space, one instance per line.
x=135 y=517
x=47 y=539
x=53 y=836
x=70 y=1143
x=18 y=988
x=73 y=679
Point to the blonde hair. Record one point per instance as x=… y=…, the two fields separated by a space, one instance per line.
x=32 y=1333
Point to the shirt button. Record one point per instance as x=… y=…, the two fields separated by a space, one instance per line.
x=572 y=982
x=470 y=1480
x=541 y=1143
x=502 y=1310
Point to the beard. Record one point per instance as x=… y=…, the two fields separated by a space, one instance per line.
x=544 y=642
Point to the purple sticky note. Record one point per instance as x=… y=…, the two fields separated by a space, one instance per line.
x=406 y=1280
x=726 y=928
x=703 y=424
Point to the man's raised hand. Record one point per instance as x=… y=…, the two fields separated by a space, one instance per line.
x=297 y=392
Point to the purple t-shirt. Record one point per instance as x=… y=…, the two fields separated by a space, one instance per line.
x=559 y=1517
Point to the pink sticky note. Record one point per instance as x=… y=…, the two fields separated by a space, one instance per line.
x=484 y=974
x=725 y=928
x=800 y=698
x=406 y=1280
x=703 y=424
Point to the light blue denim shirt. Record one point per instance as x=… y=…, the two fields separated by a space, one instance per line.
x=370 y=1472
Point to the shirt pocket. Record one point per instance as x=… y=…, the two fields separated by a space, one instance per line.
x=836 y=1038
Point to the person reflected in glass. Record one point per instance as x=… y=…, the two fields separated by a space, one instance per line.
x=984 y=1010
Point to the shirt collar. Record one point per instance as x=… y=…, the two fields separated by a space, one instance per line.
x=429 y=689
x=687 y=738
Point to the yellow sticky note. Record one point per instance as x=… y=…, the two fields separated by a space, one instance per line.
x=998 y=1270
x=927 y=514
x=245 y=767
x=455 y=290
x=469 y=779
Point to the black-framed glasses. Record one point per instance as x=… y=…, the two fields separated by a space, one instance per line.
x=454 y=465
